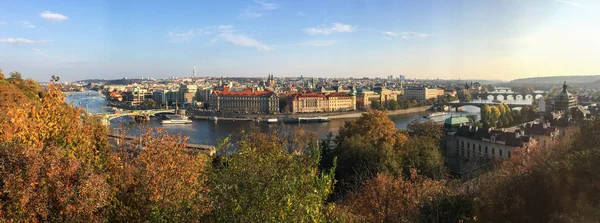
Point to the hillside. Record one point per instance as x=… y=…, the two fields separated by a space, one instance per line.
x=557 y=79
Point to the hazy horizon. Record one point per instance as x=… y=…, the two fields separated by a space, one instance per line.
x=497 y=40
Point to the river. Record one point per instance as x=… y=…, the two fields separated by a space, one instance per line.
x=206 y=132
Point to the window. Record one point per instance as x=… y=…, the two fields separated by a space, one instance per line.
x=479 y=148
x=500 y=152
x=508 y=154
x=463 y=152
x=468 y=145
x=493 y=151
x=463 y=144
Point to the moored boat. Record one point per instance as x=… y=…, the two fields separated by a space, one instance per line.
x=176 y=119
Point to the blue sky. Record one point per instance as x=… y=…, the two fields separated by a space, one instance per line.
x=495 y=39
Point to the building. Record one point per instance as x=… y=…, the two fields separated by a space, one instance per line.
x=420 y=93
x=471 y=143
x=246 y=101
x=319 y=102
x=452 y=124
x=564 y=101
x=308 y=102
x=341 y=101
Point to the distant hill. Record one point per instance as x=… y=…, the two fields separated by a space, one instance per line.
x=557 y=79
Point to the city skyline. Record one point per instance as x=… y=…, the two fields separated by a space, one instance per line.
x=499 y=40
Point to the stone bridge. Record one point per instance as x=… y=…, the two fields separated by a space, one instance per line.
x=481 y=104
x=507 y=95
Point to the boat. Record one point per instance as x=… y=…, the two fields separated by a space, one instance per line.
x=313 y=119
x=435 y=114
x=272 y=120
x=176 y=119
x=214 y=118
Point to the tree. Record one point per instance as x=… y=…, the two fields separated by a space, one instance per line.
x=422 y=153
x=163 y=182
x=557 y=182
x=15 y=78
x=486 y=116
x=263 y=181
x=495 y=117
x=388 y=198
x=365 y=147
x=426 y=128
x=1 y=75
x=393 y=105
x=376 y=104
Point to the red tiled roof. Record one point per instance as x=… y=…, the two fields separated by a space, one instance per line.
x=338 y=95
x=309 y=95
x=246 y=92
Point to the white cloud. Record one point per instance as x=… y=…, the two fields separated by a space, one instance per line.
x=318 y=43
x=257 y=10
x=22 y=41
x=27 y=25
x=243 y=40
x=405 y=35
x=266 y=5
x=52 y=16
x=568 y=2
x=335 y=28
x=185 y=36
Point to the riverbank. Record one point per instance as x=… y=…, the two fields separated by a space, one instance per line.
x=330 y=116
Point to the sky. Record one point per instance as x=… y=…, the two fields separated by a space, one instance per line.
x=446 y=39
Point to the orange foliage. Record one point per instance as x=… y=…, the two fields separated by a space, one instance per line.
x=161 y=182
x=393 y=199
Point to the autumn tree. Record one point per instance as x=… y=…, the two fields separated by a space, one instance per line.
x=365 y=147
x=1 y=75
x=557 y=182
x=160 y=180
x=387 y=198
x=263 y=180
x=54 y=162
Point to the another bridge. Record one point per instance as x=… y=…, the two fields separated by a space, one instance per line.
x=135 y=113
x=481 y=104
x=501 y=95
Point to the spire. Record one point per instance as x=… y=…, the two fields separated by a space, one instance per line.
x=194 y=70
x=565 y=87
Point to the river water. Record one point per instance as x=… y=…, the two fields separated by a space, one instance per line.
x=206 y=132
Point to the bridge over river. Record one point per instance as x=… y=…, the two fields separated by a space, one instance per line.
x=135 y=113
x=508 y=95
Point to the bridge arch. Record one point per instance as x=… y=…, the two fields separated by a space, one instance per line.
x=490 y=97
x=500 y=97
x=528 y=96
x=538 y=96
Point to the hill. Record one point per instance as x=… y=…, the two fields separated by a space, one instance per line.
x=557 y=79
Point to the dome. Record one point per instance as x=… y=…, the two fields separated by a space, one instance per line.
x=564 y=95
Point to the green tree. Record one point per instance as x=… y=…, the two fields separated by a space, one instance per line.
x=486 y=116
x=262 y=181
x=393 y=105
x=376 y=104
x=495 y=117
x=365 y=147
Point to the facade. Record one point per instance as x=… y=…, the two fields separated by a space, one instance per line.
x=420 y=93
x=308 y=102
x=472 y=143
x=319 y=102
x=248 y=100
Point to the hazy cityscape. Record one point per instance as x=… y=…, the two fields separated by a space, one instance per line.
x=284 y=111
